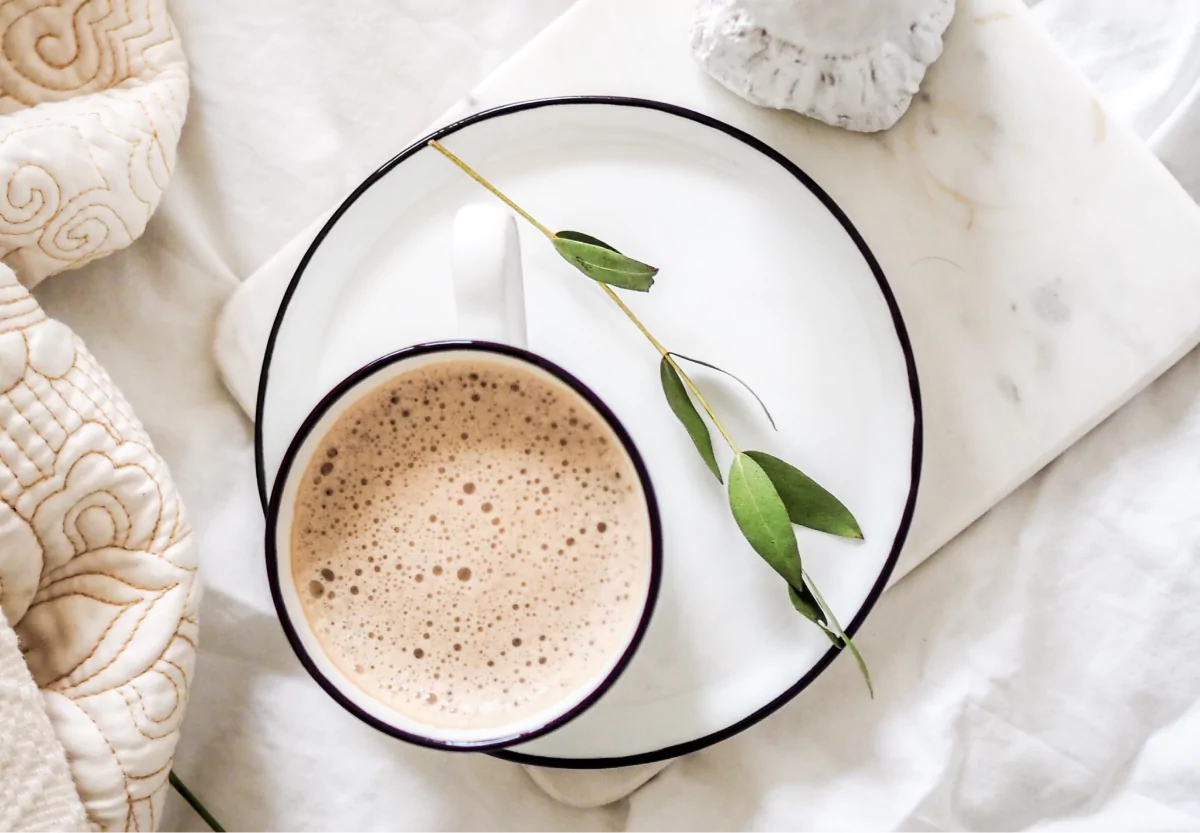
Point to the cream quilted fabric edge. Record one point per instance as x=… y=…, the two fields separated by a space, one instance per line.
x=93 y=95
x=97 y=565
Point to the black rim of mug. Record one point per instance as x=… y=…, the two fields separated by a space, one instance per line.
x=335 y=396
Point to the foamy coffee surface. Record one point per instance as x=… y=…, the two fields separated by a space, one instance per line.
x=470 y=544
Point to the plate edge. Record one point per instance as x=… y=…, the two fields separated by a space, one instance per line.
x=677 y=750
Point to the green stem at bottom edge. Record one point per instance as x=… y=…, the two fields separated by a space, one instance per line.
x=194 y=802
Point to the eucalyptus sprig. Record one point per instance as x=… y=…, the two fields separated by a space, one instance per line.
x=766 y=495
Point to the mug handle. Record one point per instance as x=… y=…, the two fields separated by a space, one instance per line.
x=489 y=291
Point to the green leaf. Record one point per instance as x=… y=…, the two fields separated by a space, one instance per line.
x=763 y=519
x=807 y=607
x=602 y=262
x=808 y=504
x=681 y=404
x=757 y=398
x=832 y=628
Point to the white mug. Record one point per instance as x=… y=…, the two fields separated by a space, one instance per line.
x=491 y=327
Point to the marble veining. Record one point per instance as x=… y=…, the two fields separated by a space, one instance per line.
x=1044 y=260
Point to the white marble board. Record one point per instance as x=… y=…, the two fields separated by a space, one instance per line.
x=1047 y=265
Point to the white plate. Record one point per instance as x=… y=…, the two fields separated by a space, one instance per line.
x=761 y=274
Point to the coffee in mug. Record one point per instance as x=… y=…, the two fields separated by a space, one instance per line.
x=470 y=543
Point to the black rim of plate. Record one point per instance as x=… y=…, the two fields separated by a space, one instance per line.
x=587 y=395
x=885 y=289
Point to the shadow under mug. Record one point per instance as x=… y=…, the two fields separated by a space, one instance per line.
x=488 y=293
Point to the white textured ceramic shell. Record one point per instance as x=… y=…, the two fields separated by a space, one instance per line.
x=849 y=63
x=97 y=565
x=92 y=99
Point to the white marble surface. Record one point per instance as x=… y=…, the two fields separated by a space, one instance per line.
x=1046 y=264
x=1044 y=260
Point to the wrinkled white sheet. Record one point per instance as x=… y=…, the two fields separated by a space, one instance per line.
x=1043 y=670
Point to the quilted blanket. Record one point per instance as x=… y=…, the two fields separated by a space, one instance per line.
x=97 y=564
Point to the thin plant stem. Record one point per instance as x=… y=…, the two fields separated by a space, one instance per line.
x=195 y=803
x=666 y=354
x=662 y=351
x=465 y=168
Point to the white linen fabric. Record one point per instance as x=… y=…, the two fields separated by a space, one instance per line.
x=1040 y=671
